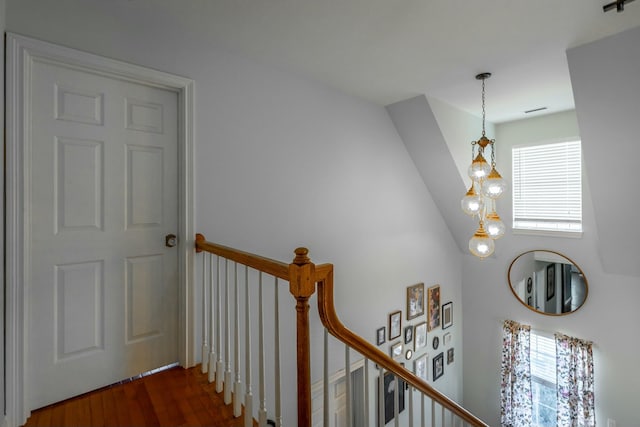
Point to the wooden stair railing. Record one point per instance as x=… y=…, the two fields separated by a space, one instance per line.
x=304 y=277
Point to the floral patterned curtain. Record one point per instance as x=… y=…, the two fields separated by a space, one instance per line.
x=515 y=390
x=574 y=363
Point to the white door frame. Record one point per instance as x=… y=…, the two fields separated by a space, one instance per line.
x=21 y=53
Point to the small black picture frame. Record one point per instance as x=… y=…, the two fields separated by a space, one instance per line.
x=447 y=315
x=551 y=281
x=408 y=334
x=395 y=325
x=381 y=335
x=450 y=356
x=438 y=366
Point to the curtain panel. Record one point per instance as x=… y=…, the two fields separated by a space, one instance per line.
x=574 y=363
x=515 y=390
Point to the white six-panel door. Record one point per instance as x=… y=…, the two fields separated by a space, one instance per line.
x=103 y=288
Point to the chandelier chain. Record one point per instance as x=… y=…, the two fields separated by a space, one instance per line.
x=483 y=109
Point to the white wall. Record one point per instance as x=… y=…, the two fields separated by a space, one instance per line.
x=608 y=318
x=282 y=161
x=2 y=291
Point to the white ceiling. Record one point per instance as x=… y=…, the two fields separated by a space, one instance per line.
x=391 y=50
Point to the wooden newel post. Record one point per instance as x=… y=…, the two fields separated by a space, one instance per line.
x=302 y=285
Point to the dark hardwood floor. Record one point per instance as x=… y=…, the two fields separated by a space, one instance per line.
x=175 y=397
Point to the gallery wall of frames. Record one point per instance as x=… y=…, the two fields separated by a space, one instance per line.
x=420 y=334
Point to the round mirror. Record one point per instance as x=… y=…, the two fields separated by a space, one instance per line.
x=547 y=282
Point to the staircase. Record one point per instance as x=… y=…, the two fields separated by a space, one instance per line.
x=246 y=330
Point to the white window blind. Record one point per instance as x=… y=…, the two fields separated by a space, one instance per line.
x=547 y=187
x=543 y=358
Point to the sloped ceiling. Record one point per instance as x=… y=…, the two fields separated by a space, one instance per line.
x=416 y=124
x=606 y=83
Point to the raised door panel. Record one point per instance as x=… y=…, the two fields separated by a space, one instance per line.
x=79 y=184
x=79 y=301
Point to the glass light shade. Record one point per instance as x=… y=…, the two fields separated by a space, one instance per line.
x=494 y=185
x=481 y=245
x=494 y=225
x=479 y=168
x=471 y=203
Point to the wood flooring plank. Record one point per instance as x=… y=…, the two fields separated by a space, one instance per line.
x=57 y=414
x=84 y=411
x=122 y=406
x=131 y=396
x=110 y=417
x=44 y=419
x=97 y=409
x=146 y=406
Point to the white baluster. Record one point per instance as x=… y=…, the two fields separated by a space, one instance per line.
x=325 y=386
x=442 y=415
x=219 y=363
x=366 y=391
x=381 y=397
x=237 y=385
x=227 y=348
x=205 y=318
x=248 y=397
x=262 y=411
x=423 y=418
x=212 y=351
x=277 y=358
x=433 y=412
x=347 y=373
x=410 y=406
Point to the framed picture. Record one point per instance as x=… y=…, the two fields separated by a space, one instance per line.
x=450 y=356
x=415 y=301
x=396 y=349
x=420 y=336
x=408 y=334
x=446 y=338
x=433 y=307
x=438 y=366
x=390 y=385
x=447 y=315
x=435 y=343
x=551 y=281
x=529 y=285
x=395 y=324
x=408 y=355
x=420 y=367
x=380 y=335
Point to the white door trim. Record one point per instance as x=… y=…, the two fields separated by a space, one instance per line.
x=21 y=53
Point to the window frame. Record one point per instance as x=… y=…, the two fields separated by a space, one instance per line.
x=547 y=231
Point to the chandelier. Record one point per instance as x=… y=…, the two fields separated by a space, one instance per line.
x=486 y=186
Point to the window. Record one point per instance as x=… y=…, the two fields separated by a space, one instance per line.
x=547 y=187
x=543 y=380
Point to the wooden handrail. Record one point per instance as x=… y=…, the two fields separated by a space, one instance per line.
x=266 y=265
x=303 y=277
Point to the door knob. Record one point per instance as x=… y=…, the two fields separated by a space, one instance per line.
x=170 y=240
